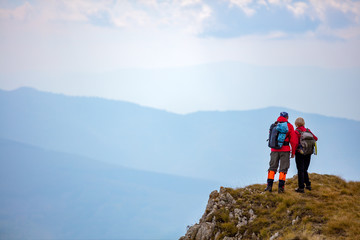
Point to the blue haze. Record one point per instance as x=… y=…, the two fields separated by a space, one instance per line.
x=70 y=164
x=221 y=86
x=51 y=195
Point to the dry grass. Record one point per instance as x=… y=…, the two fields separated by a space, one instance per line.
x=330 y=211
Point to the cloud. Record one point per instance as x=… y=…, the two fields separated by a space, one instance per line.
x=318 y=9
x=20 y=13
x=244 y=5
x=189 y=2
x=105 y=35
x=58 y=43
x=298 y=8
x=198 y=17
x=321 y=9
x=182 y=15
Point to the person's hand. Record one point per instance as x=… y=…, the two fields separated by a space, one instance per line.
x=292 y=155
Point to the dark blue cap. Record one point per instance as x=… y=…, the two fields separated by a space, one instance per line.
x=284 y=114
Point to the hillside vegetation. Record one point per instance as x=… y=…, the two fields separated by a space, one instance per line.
x=330 y=211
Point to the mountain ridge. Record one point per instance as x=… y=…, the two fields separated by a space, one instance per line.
x=329 y=211
x=4 y=143
x=50 y=195
x=272 y=108
x=201 y=149
x=190 y=145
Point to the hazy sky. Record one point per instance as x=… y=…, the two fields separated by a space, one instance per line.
x=188 y=55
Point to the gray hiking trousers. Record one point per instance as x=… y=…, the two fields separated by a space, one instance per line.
x=279 y=157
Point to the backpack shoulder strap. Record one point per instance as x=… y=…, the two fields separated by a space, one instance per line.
x=308 y=130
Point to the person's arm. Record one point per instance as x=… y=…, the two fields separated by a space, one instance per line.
x=297 y=134
x=315 y=137
x=293 y=141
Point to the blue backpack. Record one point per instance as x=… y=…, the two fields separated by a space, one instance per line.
x=277 y=134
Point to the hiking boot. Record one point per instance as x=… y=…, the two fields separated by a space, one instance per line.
x=299 y=190
x=281 y=188
x=308 y=187
x=269 y=185
x=268 y=188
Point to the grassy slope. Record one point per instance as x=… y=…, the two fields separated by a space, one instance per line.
x=330 y=211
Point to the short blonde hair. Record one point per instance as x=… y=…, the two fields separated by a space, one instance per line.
x=299 y=122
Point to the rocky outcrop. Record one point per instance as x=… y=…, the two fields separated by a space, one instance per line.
x=329 y=211
x=223 y=214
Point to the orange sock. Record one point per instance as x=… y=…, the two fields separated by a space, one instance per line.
x=271 y=175
x=282 y=176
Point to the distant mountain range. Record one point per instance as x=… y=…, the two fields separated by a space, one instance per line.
x=52 y=195
x=228 y=146
x=70 y=164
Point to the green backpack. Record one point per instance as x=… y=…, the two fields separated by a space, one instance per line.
x=307 y=142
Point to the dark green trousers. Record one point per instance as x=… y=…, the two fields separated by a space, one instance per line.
x=279 y=158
